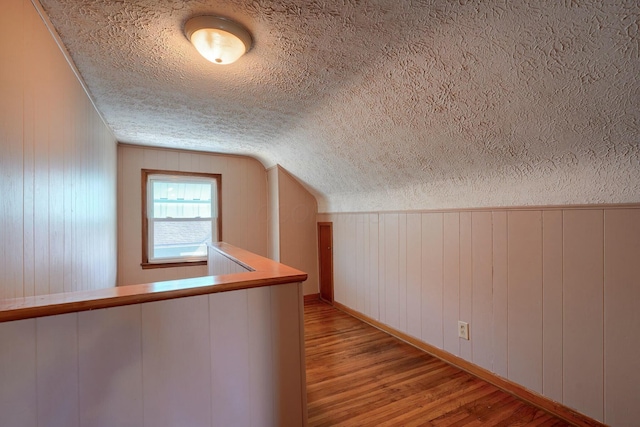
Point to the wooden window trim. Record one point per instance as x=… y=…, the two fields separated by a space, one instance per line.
x=145 y=223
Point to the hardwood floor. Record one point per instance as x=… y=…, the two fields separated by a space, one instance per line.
x=360 y=376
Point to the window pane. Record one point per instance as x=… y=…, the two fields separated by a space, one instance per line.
x=181 y=200
x=174 y=239
x=182 y=216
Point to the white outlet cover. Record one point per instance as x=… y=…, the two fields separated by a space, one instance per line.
x=463 y=330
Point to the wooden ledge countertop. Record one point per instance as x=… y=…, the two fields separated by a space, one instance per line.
x=266 y=273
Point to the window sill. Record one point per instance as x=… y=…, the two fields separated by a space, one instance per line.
x=148 y=265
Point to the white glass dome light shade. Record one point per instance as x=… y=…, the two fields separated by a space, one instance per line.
x=219 y=40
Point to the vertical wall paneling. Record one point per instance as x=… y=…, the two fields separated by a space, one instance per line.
x=336 y=253
x=18 y=373
x=451 y=274
x=273 y=214
x=41 y=196
x=304 y=215
x=237 y=230
x=258 y=215
x=414 y=275
x=550 y=294
x=176 y=362
x=298 y=345
x=57 y=155
x=228 y=320
x=367 y=279
x=40 y=124
x=172 y=161
x=297 y=224
x=130 y=162
x=185 y=161
x=402 y=272
x=232 y=358
x=31 y=76
x=622 y=318
x=218 y=264
x=466 y=281
x=247 y=211
x=359 y=254
x=382 y=266
x=552 y=304
x=78 y=202
x=56 y=134
x=500 y=293
x=80 y=211
x=11 y=137
x=481 y=330
x=391 y=260
x=261 y=374
x=161 y=159
x=349 y=262
x=374 y=251
x=286 y=301
x=110 y=381
x=583 y=320
x=234 y=192
x=57 y=368
x=340 y=258
x=432 y=299
x=9 y=19
x=352 y=250
x=525 y=298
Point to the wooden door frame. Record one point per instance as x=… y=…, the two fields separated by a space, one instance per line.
x=330 y=225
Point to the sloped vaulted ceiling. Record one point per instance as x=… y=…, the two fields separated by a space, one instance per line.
x=384 y=104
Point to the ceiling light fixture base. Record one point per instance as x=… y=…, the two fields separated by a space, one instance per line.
x=218 y=39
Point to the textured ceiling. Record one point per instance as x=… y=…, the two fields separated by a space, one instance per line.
x=384 y=104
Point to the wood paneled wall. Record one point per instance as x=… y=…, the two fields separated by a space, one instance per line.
x=296 y=227
x=274 y=214
x=244 y=205
x=58 y=166
x=551 y=295
x=219 y=264
x=292 y=221
x=226 y=359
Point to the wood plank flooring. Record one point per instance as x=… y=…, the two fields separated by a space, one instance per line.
x=358 y=375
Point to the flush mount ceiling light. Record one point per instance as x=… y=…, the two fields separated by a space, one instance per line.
x=219 y=40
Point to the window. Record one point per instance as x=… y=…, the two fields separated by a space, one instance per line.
x=180 y=215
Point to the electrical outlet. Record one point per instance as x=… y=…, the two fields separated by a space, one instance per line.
x=463 y=330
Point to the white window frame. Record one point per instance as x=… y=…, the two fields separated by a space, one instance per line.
x=151 y=176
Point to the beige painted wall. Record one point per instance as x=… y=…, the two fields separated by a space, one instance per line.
x=551 y=295
x=58 y=166
x=244 y=205
x=225 y=359
x=274 y=214
x=293 y=221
